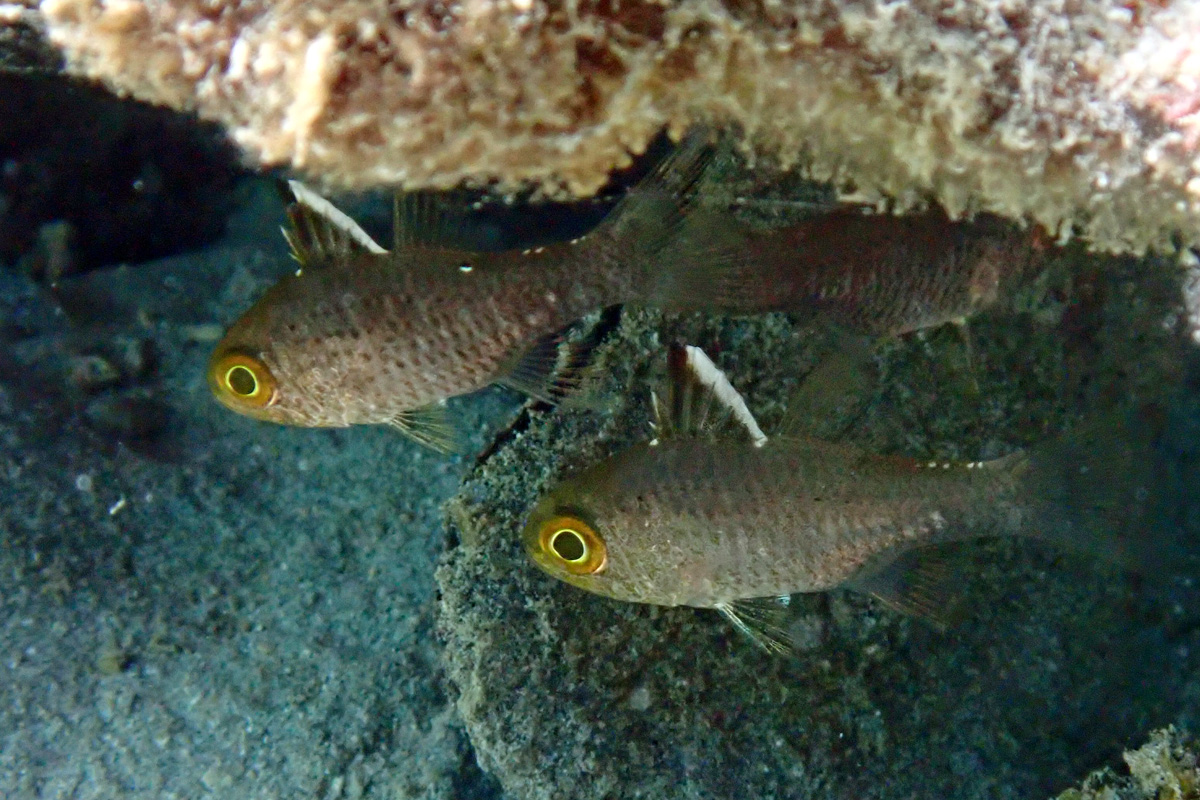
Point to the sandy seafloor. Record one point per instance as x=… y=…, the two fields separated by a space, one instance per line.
x=255 y=620
x=194 y=604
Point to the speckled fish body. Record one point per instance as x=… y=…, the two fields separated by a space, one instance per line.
x=361 y=341
x=361 y=335
x=698 y=523
x=880 y=274
x=714 y=513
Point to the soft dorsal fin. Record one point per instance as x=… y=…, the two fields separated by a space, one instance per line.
x=320 y=232
x=653 y=211
x=835 y=391
x=700 y=400
x=424 y=218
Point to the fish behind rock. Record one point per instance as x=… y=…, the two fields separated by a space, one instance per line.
x=879 y=274
x=721 y=516
x=360 y=335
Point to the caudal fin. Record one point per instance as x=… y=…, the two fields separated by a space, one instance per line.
x=648 y=218
x=1103 y=488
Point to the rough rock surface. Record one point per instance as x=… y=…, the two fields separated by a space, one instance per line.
x=1067 y=113
x=1059 y=659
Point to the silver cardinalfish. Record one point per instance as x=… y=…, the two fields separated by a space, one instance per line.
x=362 y=335
x=713 y=513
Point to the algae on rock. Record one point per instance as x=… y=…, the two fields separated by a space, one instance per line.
x=1165 y=768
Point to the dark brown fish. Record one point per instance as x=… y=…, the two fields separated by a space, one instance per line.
x=706 y=518
x=360 y=335
x=874 y=273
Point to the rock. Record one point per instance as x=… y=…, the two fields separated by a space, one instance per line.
x=565 y=694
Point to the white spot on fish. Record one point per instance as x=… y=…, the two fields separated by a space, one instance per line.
x=465 y=268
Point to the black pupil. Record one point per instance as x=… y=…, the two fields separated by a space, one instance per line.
x=242 y=381
x=568 y=545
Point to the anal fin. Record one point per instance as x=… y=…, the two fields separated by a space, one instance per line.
x=551 y=370
x=429 y=425
x=919 y=583
x=764 y=620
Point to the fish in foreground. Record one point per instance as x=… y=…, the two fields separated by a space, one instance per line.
x=362 y=335
x=713 y=513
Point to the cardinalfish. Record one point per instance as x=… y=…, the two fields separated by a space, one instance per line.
x=878 y=274
x=364 y=335
x=360 y=335
x=713 y=513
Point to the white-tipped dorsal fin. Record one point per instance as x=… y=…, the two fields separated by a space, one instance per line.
x=701 y=400
x=320 y=231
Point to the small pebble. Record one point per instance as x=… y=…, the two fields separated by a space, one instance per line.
x=91 y=373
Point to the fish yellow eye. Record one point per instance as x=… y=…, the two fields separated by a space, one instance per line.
x=243 y=379
x=572 y=544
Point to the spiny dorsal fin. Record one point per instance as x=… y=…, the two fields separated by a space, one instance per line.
x=700 y=400
x=428 y=425
x=321 y=232
x=763 y=619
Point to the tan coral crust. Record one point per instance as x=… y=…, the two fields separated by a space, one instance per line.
x=1082 y=112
